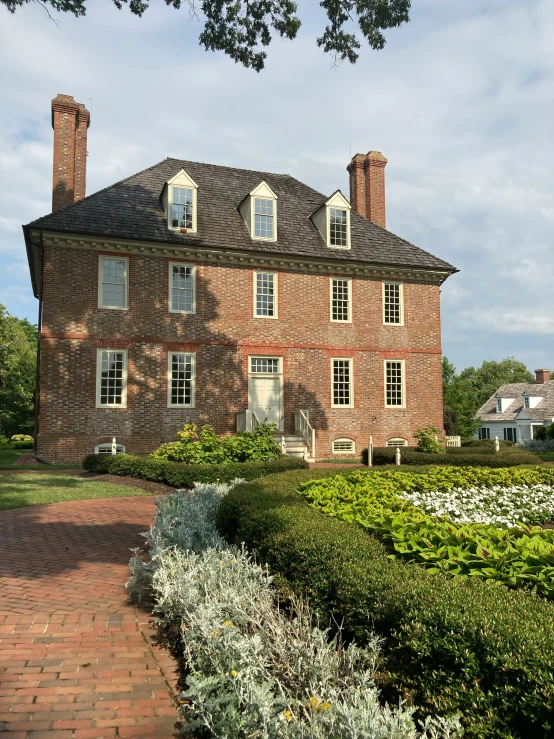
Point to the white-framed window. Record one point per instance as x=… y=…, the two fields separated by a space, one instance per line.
x=526 y=401
x=393 y=303
x=394 y=383
x=264 y=365
x=265 y=294
x=499 y=405
x=107 y=449
x=510 y=434
x=338 y=227
x=342 y=383
x=181 y=380
x=113 y=282
x=341 y=300
x=484 y=432
x=111 y=378
x=180 y=198
x=264 y=218
x=398 y=441
x=344 y=446
x=182 y=288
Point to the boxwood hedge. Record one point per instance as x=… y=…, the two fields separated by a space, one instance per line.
x=461 y=456
x=179 y=475
x=450 y=645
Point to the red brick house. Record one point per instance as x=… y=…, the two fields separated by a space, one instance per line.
x=194 y=292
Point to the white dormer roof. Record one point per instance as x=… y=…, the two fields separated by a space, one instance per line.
x=247 y=210
x=321 y=218
x=534 y=400
x=182 y=179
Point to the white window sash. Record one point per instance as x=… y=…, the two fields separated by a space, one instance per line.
x=350 y=384
x=328 y=224
x=401 y=306
x=193 y=276
x=349 y=299
x=169 y=200
x=101 y=261
x=273 y=217
x=275 y=294
x=402 y=363
x=99 y=353
x=192 y=403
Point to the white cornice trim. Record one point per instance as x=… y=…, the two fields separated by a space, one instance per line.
x=211 y=255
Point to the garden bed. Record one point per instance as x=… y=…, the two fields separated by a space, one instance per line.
x=451 y=644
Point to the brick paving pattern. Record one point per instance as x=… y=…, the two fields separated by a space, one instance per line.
x=77 y=658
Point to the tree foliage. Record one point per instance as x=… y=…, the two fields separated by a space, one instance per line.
x=242 y=28
x=466 y=392
x=18 y=358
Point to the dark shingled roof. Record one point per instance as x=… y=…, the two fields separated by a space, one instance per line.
x=132 y=209
x=542 y=412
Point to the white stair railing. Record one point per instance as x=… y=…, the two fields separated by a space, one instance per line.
x=303 y=427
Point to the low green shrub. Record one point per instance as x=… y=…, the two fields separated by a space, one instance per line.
x=457 y=457
x=428 y=439
x=487 y=443
x=13 y=443
x=451 y=644
x=179 y=475
x=207 y=447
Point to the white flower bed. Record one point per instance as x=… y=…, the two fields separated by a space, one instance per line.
x=252 y=671
x=501 y=506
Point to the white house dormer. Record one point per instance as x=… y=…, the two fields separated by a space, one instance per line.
x=180 y=199
x=531 y=401
x=259 y=211
x=332 y=220
x=503 y=404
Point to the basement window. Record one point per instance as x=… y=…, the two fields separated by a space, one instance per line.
x=344 y=446
x=107 y=449
x=397 y=442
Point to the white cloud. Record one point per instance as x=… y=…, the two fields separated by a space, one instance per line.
x=461 y=101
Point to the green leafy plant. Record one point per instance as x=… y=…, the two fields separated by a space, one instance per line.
x=450 y=644
x=459 y=457
x=427 y=439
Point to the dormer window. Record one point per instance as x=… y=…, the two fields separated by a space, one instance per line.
x=526 y=401
x=181 y=207
x=332 y=220
x=180 y=199
x=259 y=211
x=499 y=405
x=338 y=227
x=263 y=218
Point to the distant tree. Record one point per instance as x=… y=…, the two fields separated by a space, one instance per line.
x=18 y=358
x=465 y=393
x=451 y=426
x=241 y=28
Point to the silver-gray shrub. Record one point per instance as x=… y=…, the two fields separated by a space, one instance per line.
x=252 y=670
x=537 y=445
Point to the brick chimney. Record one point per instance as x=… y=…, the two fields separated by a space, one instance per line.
x=542 y=375
x=70 y=121
x=367 y=186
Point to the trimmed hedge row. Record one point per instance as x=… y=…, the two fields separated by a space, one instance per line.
x=459 y=457
x=450 y=645
x=179 y=475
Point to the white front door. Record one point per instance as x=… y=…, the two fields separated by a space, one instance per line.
x=265 y=397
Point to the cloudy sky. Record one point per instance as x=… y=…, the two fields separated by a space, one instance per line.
x=461 y=101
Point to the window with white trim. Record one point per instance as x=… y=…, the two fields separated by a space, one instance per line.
x=181 y=378
x=338 y=227
x=344 y=446
x=264 y=218
x=393 y=308
x=499 y=405
x=182 y=205
x=526 y=401
x=397 y=442
x=264 y=365
x=182 y=288
x=111 y=378
x=341 y=382
x=394 y=383
x=341 y=300
x=265 y=294
x=510 y=434
x=113 y=282
x=107 y=449
x=484 y=432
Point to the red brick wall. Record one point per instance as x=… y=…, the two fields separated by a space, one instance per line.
x=223 y=333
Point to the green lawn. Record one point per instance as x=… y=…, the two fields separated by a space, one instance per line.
x=8 y=461
x=34 y=488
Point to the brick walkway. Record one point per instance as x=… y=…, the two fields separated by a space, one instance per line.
x=77 y=659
